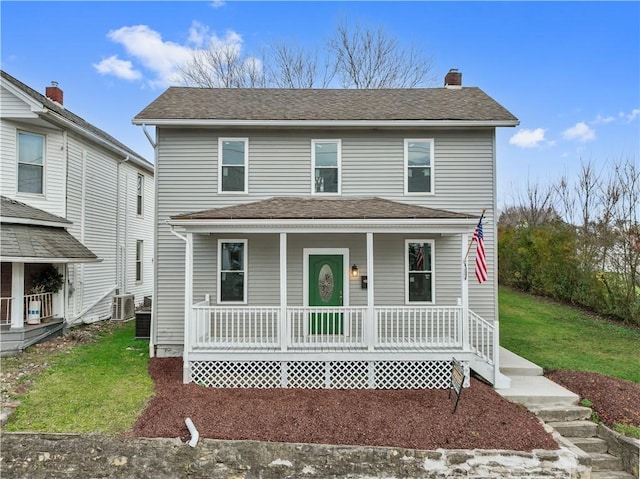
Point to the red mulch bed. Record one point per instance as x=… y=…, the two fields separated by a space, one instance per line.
x=418 y=419
x=614 y=400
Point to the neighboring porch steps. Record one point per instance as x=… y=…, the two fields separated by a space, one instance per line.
x=557 y=407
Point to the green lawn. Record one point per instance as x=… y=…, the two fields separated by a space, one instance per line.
x=555 y=336
x=97 y=387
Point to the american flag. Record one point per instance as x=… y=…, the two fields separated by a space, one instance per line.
x=420 y=259
x=481 y=258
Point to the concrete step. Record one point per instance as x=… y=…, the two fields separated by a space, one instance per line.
x=591 y=444
x=605 y=462
x=575 y=428
x=611 y=475
x=537 y=392
x=562 y=413
x=513 y=365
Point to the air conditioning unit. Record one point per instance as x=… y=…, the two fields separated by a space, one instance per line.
x=123 y=307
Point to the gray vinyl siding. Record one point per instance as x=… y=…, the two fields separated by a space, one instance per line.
x=372 y=165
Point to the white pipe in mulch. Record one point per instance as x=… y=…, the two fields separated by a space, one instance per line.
x=195 y=435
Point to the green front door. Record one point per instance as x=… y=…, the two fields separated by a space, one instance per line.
x=326 y=289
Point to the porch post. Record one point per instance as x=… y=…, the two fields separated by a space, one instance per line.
x=464 y=238
x=372 y=330
x=17 y=295
x=284 y=334
x=188 y=302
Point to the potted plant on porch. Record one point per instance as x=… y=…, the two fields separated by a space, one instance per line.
x=47 y=280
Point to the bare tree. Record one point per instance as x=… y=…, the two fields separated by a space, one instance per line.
x=370 y=58
x=534 y=205
x=291 y=66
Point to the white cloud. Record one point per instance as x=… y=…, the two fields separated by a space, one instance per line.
x=120 y=68
x=160 y=58
x=602 y=119
x=579 y=132
x=217 y=3
x=528 y=138
x=635 y=113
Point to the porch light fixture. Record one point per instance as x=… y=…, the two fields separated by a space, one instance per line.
x=355 y=272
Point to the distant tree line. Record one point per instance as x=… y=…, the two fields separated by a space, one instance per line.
x=577 y=241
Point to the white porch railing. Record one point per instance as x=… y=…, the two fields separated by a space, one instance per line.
x=481 y=337
x=248 y=328
x=335 y=327
x=38 y=307
x=5 y=310
x=419 y=327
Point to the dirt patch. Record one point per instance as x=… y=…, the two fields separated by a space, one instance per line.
x=419 y=419
x=614 y=400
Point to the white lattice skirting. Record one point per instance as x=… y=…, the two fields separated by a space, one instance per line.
x=322 y=374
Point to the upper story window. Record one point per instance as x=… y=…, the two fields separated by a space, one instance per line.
x=30 y=163
x=419 y=265
x=140 y=195
x=233 y=162
x=326 y=166
x=418 y=161
x=139 y=260
x=232 y=268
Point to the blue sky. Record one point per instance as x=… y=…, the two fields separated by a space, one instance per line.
x=570 y=71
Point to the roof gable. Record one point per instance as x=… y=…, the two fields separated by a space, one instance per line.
x=420 y=104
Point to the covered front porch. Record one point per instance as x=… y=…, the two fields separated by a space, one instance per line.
x=377 y=303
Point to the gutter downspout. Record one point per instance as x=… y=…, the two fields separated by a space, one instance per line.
x=188 y=282
x=153 y=337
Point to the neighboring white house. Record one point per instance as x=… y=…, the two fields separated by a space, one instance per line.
x=100 y=193
x=317 y=238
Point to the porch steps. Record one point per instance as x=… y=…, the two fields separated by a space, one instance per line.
x=579 y=429
x=536 y=392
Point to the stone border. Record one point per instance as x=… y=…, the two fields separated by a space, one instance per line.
x=54 y=456
x=626 y=448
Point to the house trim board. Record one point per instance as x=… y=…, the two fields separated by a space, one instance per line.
x=194 y=122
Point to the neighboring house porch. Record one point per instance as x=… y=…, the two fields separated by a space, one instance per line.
x=34 y=242
x=338 y=293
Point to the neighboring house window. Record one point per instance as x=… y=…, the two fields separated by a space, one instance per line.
x=326 y=165
x=139 y=195
x=419 y=271
x=233 y=156
x=30 y=163
x=232 y=267
x=139 y=256
x=418 y=161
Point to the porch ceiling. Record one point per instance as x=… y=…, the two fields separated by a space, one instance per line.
x=309 y=208
x=42 y=244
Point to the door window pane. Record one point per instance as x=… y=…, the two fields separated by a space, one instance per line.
x=420 y=271
x=232 y=271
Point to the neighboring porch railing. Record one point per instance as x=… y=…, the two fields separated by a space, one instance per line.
x=248 y=328
x=38 y=307
x=5 y=310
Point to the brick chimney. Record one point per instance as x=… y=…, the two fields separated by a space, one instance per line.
x=453 y=79
x=54 y=93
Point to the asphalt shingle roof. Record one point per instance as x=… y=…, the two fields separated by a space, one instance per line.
x=72 y=117
x=46 y=242
x=322 y=208
x=185 y=103
x=10 y=208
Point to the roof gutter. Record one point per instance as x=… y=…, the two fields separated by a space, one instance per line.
x=326 y=123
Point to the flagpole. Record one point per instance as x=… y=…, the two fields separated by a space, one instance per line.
x=471 y=242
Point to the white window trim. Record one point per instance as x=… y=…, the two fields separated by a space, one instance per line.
x=44 y=163
x=406 y=167
x=338 y=166
x=140 y=260
x=246 y=166
x=245 y=257
x=140 y=195
x=406 y=271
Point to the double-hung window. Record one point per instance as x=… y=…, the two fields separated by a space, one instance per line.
x=232 y=271
x=419 y=263
x=326 y=166
x=139 y=260
x=30 y=163
x=233 y=165
x=418 y=162
x=139 y=195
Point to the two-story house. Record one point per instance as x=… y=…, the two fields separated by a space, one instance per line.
x=75 y=201
x=318 y=238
